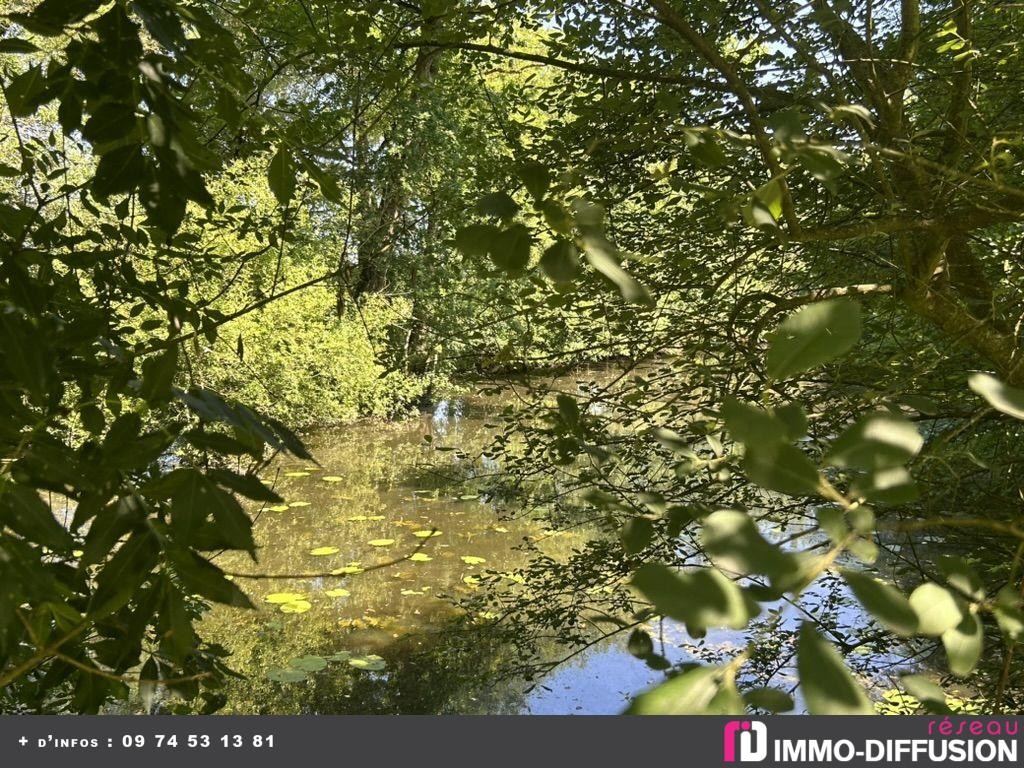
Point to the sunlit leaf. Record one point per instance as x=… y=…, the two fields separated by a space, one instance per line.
x=936 y=609
x=368 y=663
x=324 y=551
x=812 y=336
x=1002 y=397
x=883 y=601
x=827 y=685
x=963 y=644
x=296 y=606
x=278 y=598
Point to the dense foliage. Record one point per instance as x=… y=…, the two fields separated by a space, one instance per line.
x=795 y=227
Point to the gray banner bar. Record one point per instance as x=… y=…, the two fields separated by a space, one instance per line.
x=700 y=742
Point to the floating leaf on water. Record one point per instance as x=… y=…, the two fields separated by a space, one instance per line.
x=419 y=557
x=308 y=663
x=297 y=473
x=375 y=517
x=282 y=675
x=346 y=570
x=471 y=581
x=500 y=528
x=381 y=542
x=278 y=508
x=296 y=606
x=339 y=656
x=426 y=534
x=324 y=551
x=408 y=592
x=278 y=598
x=294 y=504
x=469 y=497
x=369 y=663
x=472 y=560
x=339 y=592
x=332 y=479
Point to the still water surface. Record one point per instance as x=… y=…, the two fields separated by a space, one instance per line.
x=330 y=639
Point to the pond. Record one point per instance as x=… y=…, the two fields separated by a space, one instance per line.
x=340 y=627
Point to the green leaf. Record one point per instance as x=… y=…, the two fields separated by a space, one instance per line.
x=687 y=694
x=536 y=178
x=876 y=441
x=110 y=122
x=733 y=541
x=1002 y=397
x=751 y=425
x=827 y=685
x=308 y=663
x=203 y=577
x=23 y=510
x=283 y=675
x=476 y=239
x=927 y=692
x=498 y=205
x=961 y=576
x=883 y=601
x=936 y=609
x=963 y=644
x=886 y=486
x=603 y=257
x=812 y=336
x=50 y=17
x=701 y=597
x=195 y=497
x=640 y=644
x=158 y=374
x=281 y=175
x=636 y=534
x=769 y=699
x=510 y=249
x=780 y=467
x=561 y=262
x=17 y=45
x=27 y=92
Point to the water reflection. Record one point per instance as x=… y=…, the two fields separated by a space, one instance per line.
x=391 y=640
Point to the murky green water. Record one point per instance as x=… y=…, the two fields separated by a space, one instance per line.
x=335 y=633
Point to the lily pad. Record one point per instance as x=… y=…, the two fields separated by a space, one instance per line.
x=278 y=508
x=500 y=528
x=473 y=559
x=408 y=592
x=370 y=663
x=426 y=534
x=277 y=598
x=294 y=504
x=308 y=663
x=339 y=592
x=339 y=656
x=296 y=606
x=282 y=675
x=381 y=542
x=471 y=581
x=324 y=551
x=296 y=473
x=419 y=557
x=332 y=478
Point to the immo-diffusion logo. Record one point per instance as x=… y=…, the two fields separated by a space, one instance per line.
x=750 y=736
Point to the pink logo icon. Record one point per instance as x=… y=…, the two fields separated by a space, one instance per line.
x=752 y=737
